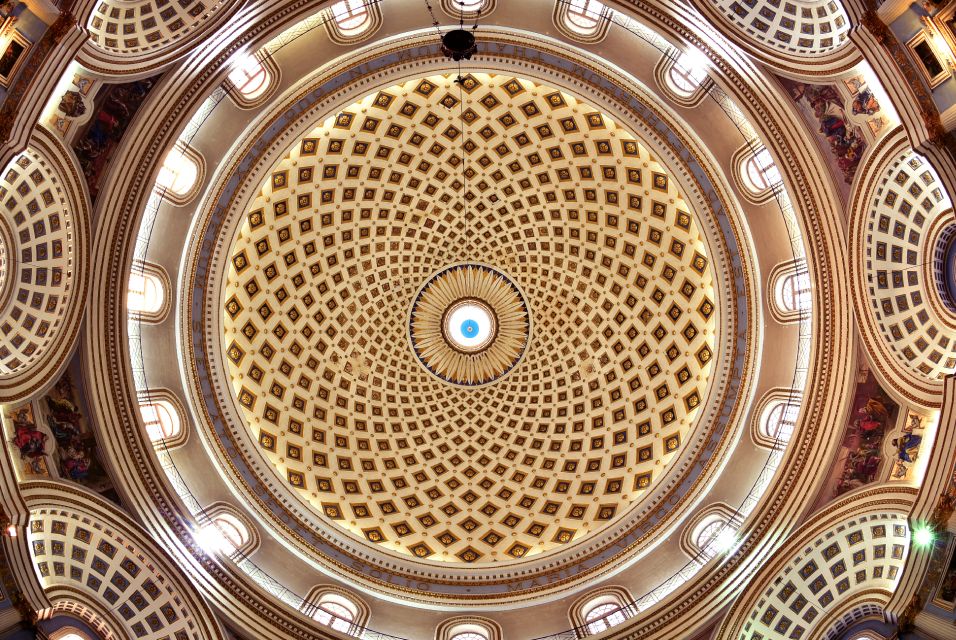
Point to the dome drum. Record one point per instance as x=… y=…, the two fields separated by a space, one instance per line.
x=325 y=435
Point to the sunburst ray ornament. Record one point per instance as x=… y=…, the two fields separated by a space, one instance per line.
x=469 y=325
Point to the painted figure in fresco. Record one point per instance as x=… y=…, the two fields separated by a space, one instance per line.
x=75 y=455
x=118 y=106
x=866 y=436
x=75 y=463
x=865 y=103
x=8 y=7
x=844 y=139
x=27 y=438
x=72 y=105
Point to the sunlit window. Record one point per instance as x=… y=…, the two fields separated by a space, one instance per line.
x=179 y=173
x=145 y=293
x=779 y=420
x=687 y=72
x=467 y=5
x=224 y=533
x=714 y=535
x=584 y=16
x=161 y=420
x=761 y=172
x=351 y=16
x=336 y=611
x=604 y=616
x=793 y=291
x=69 y=633
x=249 y=78
x=468 y=635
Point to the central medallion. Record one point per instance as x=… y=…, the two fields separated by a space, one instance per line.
x=469 y=324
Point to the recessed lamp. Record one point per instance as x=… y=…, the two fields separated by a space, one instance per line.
x=923 y=535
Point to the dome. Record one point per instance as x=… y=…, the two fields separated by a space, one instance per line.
x=349 y=294
x=629 y=321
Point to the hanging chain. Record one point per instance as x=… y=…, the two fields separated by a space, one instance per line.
x=431 y=12
x=460 y=81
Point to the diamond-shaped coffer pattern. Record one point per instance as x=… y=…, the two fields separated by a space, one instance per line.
x=375 y=200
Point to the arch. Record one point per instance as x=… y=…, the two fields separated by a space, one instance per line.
x=791 y=291
x=585 y=21
x=253 y=79
x=850 y=552
x=897 y=211
x=136 y=36
x=855 y=614
x=351 y=21
x=468 y=628
x=601 y=609
x=775 y=418
x=148 y=292
x=338 y=608
x=181 y=174
x=67 y=600
x=755 y=172
x=808 y=36
x=163 y=418
x=45 y=231
x=115 y=566
x=222 y=529
x=710 y=531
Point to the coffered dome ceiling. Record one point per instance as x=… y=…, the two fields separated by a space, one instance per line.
x=360 y=267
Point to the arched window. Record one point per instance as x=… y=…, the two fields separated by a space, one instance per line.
x=222 y=530
x=468 y=8
x=351 y=16
x=468 y=628
x=349 y=21
x=710 y=531
x=792 y=293
x=714 y=535
x=585 y=15
x=599 y=610
x=145 y=293
x=336 y=611
x=224 y=533
x=582 y=20
x=250 y=79
x=687 y=72
x=146 y=296
x=179 y=177
x=161 y=420
x=337 y=608
x=776 y=418
x=761 y=171
x=602 y=617
x=756 y=172
x=780 y=418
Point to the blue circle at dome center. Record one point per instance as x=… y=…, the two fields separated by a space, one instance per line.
x=469 y=328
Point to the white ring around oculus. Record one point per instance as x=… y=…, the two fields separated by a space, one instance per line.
x=469 y=325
